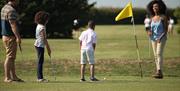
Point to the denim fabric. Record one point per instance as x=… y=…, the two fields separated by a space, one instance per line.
x=40 y=61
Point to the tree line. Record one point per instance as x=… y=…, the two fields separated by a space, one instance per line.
x=63 y=12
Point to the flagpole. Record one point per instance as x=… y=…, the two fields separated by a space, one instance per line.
x=128 y=12
x=137 y=47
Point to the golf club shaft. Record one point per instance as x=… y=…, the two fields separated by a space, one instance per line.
x=53 y=68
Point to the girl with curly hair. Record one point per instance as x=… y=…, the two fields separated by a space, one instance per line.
x=41 y=18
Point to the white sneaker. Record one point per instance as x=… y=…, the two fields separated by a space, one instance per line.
x=42 y=80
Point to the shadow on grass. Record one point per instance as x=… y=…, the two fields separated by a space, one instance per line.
x=96 y=82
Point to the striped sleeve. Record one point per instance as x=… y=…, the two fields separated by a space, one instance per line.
x=12 y=15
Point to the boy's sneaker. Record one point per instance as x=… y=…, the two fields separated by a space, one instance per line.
x=82 y=80
x=42 y=80
x=93 y=79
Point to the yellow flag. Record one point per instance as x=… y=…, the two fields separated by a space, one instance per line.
x=125 y=13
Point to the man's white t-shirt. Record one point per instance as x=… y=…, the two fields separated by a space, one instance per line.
x=171 y=22
x=88 y=38
x=147 y=22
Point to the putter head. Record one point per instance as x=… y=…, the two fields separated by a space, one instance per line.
x=20 y=48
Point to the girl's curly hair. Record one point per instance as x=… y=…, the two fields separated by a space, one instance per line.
x=10 y=0
x=41 y=17
x=162 y=7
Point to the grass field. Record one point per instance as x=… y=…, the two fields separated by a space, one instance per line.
x=114 y=83
x=116 y=61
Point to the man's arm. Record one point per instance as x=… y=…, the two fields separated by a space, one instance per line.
x=14 y=27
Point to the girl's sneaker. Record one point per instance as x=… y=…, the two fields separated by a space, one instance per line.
x=42 y=80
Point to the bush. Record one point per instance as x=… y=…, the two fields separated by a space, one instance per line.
x=106 y=15
x=62 y=14
x=178 y=30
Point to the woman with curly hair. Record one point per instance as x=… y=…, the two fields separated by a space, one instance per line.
x=157 y=33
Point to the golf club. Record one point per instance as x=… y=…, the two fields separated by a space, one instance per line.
x=52 y=67
x=20 y=48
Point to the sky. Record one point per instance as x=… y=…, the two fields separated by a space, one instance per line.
x=136 y=3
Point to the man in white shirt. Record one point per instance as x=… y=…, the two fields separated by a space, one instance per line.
x=76 y=28
x=170 y=26
x=147 y=22
x=87 y=45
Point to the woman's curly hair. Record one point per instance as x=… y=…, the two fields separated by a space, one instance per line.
x=41 y=17
x=162 y=7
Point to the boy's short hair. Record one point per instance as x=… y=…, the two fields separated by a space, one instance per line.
x=41 y=17
x=91 y=24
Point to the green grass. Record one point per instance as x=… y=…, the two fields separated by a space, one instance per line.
x=112 y=83
x=114 y=41
x=116 y=59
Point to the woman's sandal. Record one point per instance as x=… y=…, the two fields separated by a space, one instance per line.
x=18 y=80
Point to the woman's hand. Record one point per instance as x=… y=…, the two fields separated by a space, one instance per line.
x=149 y=33
x=158 y=41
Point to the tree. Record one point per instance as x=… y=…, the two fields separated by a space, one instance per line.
x=62 y=14
x=177 y=13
